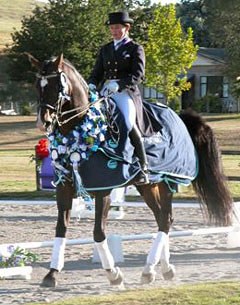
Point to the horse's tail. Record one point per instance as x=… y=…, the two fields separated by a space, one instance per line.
x=210 y=184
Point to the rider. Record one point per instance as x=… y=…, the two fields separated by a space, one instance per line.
x=119 y=68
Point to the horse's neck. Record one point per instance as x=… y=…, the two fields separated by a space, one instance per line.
x=78 y=98
x=78 y=87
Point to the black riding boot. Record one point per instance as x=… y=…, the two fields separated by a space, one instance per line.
x=137 y=142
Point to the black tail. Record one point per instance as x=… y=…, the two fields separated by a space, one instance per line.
x=210 y=184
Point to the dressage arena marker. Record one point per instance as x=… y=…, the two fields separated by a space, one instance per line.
x=19 y=273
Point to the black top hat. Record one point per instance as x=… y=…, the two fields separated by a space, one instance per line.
x=119 y=18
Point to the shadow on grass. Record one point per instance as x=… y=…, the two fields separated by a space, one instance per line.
x=43 y=195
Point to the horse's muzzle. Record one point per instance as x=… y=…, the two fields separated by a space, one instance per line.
x=45 y=124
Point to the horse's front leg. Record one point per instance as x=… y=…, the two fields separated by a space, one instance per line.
x=64 y=204
x=159 y=199
x=102 y=205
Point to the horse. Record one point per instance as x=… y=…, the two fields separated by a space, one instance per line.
x=63 y=104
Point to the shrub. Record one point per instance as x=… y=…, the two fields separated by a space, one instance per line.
x=26 y=109
x=209 y=104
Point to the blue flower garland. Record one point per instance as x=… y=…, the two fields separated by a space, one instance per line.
x=77 y=146
x=84 y=139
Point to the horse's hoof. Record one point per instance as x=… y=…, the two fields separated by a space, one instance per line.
x=49 y=281
x=115 y=276
x=148 y=278
x=169 y=275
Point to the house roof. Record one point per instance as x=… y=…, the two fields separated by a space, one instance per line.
x=216 y=54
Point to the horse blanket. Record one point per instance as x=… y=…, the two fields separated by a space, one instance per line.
x=170 y=151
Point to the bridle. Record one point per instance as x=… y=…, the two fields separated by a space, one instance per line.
x=64 y=95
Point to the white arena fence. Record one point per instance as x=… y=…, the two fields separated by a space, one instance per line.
x=115 y=241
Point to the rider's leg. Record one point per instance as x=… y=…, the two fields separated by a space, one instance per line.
x=127 y=108
x=137 y=141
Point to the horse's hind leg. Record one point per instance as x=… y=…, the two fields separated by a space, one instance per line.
x=159 y=198
x=64 y=203
x=114 y=274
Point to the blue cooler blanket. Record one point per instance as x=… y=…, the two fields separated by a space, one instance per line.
x=170 y=151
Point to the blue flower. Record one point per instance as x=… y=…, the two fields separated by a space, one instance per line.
x=85 y=138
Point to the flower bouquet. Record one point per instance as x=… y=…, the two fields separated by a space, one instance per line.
x=14 y=262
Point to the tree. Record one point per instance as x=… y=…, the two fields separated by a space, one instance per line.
x=227 y=36
x=194 y=14
x=74 y=27
x=169 y=53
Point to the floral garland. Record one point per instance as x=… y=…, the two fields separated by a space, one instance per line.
x=16 y=257
x=84 y=139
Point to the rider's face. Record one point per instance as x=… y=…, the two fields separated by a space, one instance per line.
x=118 y=31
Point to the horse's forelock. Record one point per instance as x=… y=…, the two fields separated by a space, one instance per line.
x=47 y=66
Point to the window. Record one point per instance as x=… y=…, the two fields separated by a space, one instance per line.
x=215 y=85
x=149 y=93
x=225 y=87
x=203 y=86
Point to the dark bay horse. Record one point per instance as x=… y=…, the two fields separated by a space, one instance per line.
x=63 y=103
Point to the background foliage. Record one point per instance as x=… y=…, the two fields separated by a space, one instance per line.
x=77 y=28
x=169 y=53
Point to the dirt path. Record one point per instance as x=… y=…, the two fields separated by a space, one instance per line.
x=197 y=259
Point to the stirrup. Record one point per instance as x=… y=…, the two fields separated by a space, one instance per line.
x=142 y=178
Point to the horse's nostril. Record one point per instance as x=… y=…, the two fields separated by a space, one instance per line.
x=47 y=124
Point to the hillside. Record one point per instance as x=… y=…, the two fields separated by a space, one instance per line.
x=11 y=14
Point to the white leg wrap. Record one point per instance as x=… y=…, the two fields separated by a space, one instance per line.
x=57 y=260
x=105 y=255
x=165 y=256
x=155 y=252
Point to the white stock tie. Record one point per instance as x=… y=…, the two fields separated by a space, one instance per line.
x=117 y=45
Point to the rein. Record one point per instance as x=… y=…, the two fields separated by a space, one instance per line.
x=81 y=112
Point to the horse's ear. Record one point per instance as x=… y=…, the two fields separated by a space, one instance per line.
x=34 y=62
x=59 y=62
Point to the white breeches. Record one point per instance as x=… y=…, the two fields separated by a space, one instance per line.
x=126 y=105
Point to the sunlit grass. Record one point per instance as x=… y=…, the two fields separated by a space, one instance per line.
x=19 y=136
x=11 y=14
x=225 y=293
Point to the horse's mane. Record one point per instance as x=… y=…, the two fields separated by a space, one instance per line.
x=79 y=76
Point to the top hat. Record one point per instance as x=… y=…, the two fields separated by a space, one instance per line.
x=119 y=18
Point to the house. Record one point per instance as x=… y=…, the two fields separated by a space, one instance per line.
x=207 y=78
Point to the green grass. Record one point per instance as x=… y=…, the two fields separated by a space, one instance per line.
x=19 y=136
x=225 y=293
x=227 y=130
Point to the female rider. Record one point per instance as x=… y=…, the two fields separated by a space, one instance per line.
x=119 y=69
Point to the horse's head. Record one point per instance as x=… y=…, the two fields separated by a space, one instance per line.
x=57 y=86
